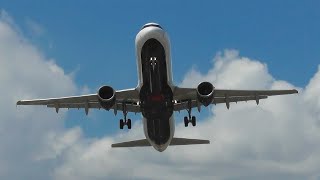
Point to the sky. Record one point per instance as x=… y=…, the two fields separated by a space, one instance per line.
x=52 y=49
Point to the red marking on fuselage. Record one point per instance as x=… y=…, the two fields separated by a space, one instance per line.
x=156 y=97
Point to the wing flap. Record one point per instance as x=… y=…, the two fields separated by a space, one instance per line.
x=95 y=105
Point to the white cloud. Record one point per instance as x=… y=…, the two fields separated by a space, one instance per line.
x=26 y=73
x=230 y=71
x=279 y=139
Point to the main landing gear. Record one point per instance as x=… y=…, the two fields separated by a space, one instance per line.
x=125 y=121
x=190 y=119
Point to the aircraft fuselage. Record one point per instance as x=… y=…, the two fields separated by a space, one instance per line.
x=155 y=85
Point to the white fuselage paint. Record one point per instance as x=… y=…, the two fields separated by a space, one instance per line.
x=160 y=35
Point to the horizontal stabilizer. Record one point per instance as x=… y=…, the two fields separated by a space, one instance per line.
x=184 y=141
x=174 y=142
x=137 y=143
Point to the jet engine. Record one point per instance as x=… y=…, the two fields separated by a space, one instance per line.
x=205 y=93
x=107 y=97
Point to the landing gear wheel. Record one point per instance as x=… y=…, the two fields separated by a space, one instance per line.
x=186 y=121
x=129 y=123
x=193 y=121
x=121 y=123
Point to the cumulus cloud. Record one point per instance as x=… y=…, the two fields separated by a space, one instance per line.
x=26 y=73
x=276 y=140
x=279 y=139
x=230 y=71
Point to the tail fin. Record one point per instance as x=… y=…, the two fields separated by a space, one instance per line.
x=174 y=142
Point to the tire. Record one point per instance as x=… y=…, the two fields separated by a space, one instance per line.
x=129 y=123
x=186 y=121
x=193 y=121
x=121 y=124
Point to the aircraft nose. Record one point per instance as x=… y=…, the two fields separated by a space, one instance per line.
x=152 y=24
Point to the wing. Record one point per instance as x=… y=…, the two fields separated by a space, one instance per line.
x=128 y=98
x=187 y=97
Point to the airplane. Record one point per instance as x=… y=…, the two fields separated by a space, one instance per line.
x=156 y=97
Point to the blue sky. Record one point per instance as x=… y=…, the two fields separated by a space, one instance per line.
x=95 y=40
x=246 y=45
x=284 y=34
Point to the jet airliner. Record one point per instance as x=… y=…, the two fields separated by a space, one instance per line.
x=156 y=97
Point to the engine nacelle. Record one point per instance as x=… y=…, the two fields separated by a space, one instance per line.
x=205 y=93
x=107 y=97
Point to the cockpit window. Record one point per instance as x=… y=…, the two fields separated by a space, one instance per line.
x=151 y=25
